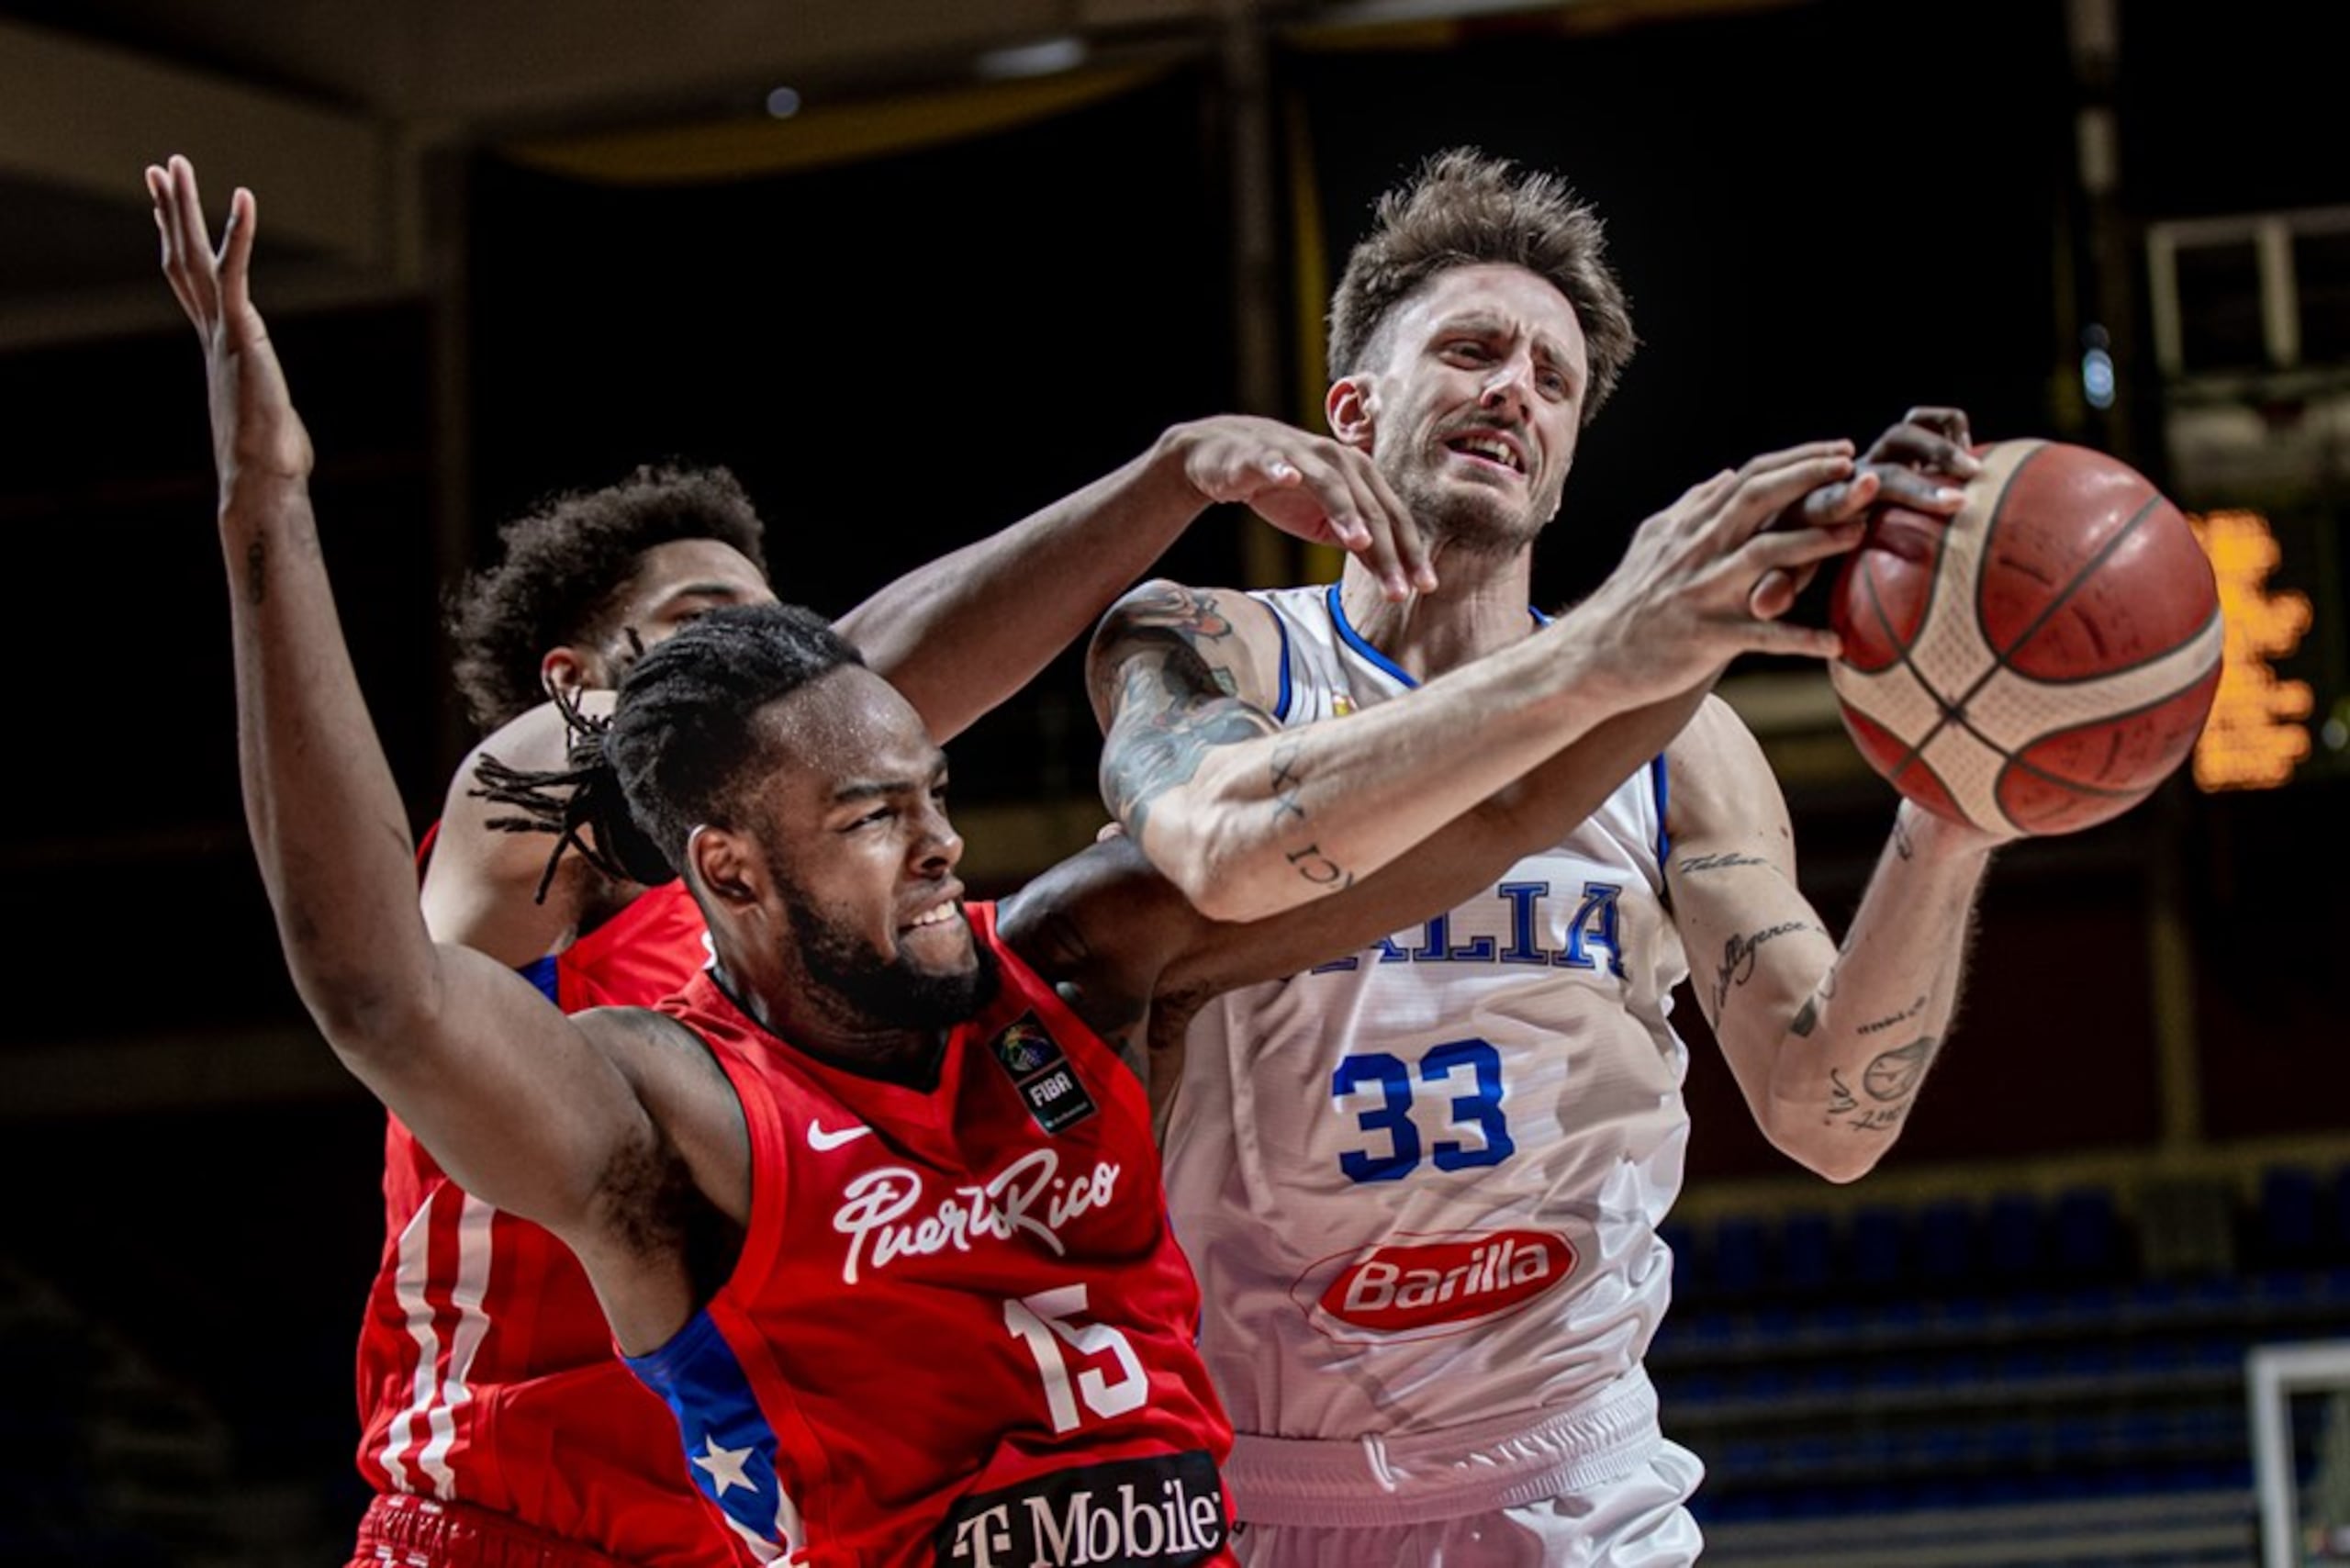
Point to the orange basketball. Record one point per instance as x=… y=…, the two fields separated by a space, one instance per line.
x=2041 y=662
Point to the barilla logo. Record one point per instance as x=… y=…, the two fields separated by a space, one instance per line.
x=1400 y=1289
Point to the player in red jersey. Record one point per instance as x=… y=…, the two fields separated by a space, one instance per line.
x=493 y=1412
x=900 y=1355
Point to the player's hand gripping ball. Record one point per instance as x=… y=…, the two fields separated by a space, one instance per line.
x=2044 y=660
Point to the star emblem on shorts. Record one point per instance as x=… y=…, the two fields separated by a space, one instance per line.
x=724 y=1465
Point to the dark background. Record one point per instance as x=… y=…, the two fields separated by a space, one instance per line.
x=1826 y=213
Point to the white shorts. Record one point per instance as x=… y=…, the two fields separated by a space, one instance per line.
x=1639 y=1519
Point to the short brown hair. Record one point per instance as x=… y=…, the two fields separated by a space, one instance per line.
x=1463 y=209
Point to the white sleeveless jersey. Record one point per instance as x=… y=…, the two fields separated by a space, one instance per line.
x=1421 y=1185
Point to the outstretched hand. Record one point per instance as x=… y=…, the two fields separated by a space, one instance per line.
x=1310 y=485
x=256 y=435
x=1690 y=594
x=1913 y=465
x=1920 y=463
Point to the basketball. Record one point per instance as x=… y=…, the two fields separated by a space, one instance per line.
x=2044 y=659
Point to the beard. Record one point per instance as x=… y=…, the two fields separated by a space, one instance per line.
x=892 y=994
x=1468 y=519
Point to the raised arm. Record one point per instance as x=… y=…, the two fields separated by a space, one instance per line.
x=1134 y=953
x=452 y=1041
x=1249 y=819
x=962 y=634
x=1829 y=1043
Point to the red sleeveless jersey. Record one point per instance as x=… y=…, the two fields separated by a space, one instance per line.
x=487 y=1371
x=959 y=1332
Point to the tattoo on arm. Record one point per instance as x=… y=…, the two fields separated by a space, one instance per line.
x=1894 y=1075
x=256 y=573
x=1309 y=860
x=1694 y=862
x=1901 y=843
x=1738 y=957
x=1890 y=1082
x=1174 y=712
x=1909 y=1011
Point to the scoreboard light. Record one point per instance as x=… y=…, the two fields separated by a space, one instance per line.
x=2255 y=737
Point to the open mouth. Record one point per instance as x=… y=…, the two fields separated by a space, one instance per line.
x=946 y=912
x=1489 y=447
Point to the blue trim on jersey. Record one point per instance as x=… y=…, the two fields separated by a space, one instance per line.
x=1354 y=638
x=1663 y=792
x=730 y=1447
x=1281 y=708
x=541 y=973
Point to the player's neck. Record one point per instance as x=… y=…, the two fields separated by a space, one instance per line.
x=1480 y=605
x=797 y=1015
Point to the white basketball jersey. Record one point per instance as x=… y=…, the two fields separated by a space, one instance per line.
x=1421 y=1185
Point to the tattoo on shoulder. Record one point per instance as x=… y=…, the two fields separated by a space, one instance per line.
x=1174 y=714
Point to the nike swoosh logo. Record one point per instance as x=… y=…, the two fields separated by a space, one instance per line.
x=823 y=1141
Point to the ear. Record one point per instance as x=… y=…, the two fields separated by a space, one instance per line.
x=1349 y=408
x=568 y=670
x=725 y=867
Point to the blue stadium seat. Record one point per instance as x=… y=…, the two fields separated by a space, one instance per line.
x=2088 y=1236
x=1806 y=1254
x=2286 y=1234
x=1880 y=1249
x=1946 y=1246
x=1736 y=1265
x=2014 y=1242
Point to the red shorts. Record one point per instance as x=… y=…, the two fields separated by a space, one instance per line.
x=401 y=1531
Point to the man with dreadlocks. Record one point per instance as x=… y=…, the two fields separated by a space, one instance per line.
x=491 y=1404
x=873 y=1202
x=1422 y=1183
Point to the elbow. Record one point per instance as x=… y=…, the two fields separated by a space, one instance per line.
x=1221 y=894
x=1841 y=1161
x=1831 y=1150
x=1222 y=874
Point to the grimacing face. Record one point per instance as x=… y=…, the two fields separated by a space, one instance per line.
x=862 y=857
x=1474 y=405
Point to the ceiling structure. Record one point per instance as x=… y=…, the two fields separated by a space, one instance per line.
x=336 y=108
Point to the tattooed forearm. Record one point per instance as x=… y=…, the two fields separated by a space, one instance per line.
x=1738 y=957
x=1883 y=1119
x=1901 y=844
x=1286 y=782
x=256 y=573
x=1896 y=1074
x=1909 y=1011
x=1719 y=862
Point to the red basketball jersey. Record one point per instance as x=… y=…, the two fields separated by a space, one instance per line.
x=487 y=1371
x=960 y=1332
